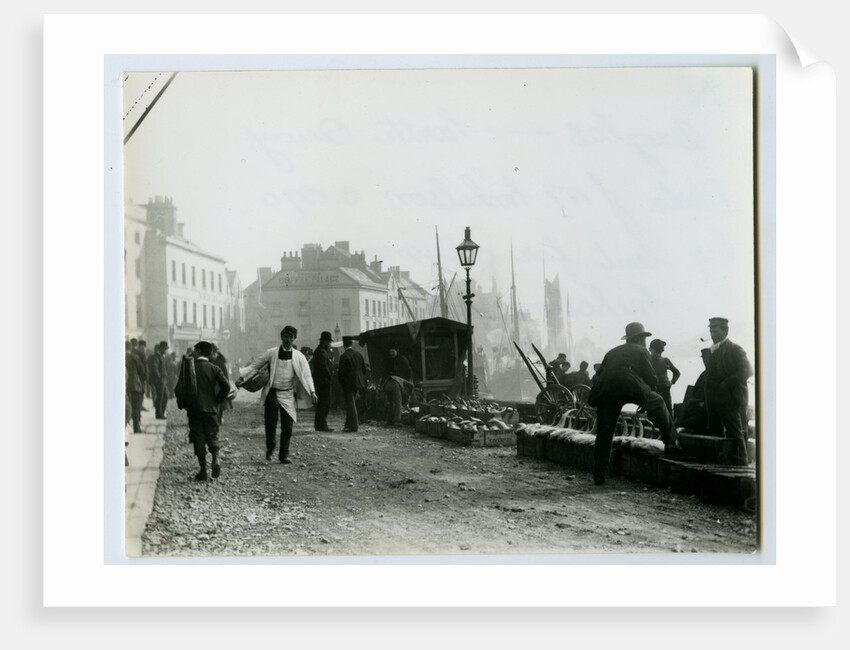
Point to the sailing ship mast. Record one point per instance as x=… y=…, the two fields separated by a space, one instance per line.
x=443 y=306
x=515 y=313
x=569 y=329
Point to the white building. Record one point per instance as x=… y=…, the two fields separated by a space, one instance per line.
x=174 y=290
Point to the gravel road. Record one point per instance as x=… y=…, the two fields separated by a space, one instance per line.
x=392 y=492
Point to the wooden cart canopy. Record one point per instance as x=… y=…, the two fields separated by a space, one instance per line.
x=435 y=348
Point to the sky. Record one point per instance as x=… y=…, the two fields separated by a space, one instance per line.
x=633 y=185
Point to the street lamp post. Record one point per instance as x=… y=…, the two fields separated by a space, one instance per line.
x=467 y=252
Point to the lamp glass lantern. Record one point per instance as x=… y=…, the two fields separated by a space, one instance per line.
x=467 y=250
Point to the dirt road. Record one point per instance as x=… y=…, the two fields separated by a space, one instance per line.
x=392 y=492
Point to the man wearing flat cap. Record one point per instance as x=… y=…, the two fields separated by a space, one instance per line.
x=289 y=387
x=662 y=365
x=625 y=376
x=352 y=375
x=322 y=367
x=726 y=393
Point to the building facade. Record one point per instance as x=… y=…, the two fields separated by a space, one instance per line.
x=332 y=289
x=174 y=290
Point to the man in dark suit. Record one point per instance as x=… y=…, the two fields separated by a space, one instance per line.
x=626 y=377
x=352 y=378
x=322 y=367
x=201 y=404
x=135 y=381
x=155 y=373
x=726 y=393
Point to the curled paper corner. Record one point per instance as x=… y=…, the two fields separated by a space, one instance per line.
x=795 y=47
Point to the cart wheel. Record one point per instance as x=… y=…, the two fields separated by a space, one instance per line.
x=552 y=401
x=581 y=393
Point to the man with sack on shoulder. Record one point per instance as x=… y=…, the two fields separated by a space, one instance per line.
x=290 y=385
x=200 y=388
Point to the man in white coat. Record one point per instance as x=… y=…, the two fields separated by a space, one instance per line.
x=289 y=384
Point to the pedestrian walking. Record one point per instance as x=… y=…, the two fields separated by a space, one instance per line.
x=289 y=383
x=201 y=387
x=726 y=392
x=625 y=376
x=322 y=367
x=352 y=375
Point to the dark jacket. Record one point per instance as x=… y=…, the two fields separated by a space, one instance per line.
x=156 y=370
x=212 y=387
x=625 y=373
x=727 y=374
x=322 y=367
x=398 y=367
x=136 y=374
x=352 y=370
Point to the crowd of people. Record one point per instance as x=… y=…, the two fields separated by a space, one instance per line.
x=290 y=380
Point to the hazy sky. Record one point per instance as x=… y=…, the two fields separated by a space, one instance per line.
x=635 y=185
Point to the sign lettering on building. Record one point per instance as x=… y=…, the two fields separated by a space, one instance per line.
x=309 y=278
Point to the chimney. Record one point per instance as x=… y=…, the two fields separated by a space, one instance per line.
x=376 y=264
x=180 y=230
x=342 y=245
x=290 y=261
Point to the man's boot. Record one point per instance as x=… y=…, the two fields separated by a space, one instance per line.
x=202 y=473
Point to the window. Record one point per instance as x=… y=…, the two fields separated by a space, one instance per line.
x=193 y=276
x=205 y=315
x=183 y=273
x=346 y=326
x=303 y=308
x=136 y=238
x=138 y=310
x=203 y=278
x=138 y=267
x=221 y=322
x=185 y=312
x=219 y=282
x=346 y=306
x=173 y=271
x=174 y=312
x=212 y=316
x=367 y=306
x=374 y=309
x=195 y=313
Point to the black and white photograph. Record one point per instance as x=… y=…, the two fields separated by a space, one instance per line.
x=465 y=307
x=426 y=311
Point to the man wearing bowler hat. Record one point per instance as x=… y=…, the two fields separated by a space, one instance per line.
x=322 y=367
x=290 y=382
x=726 y=393
x=625 y=376
x=352 y=377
